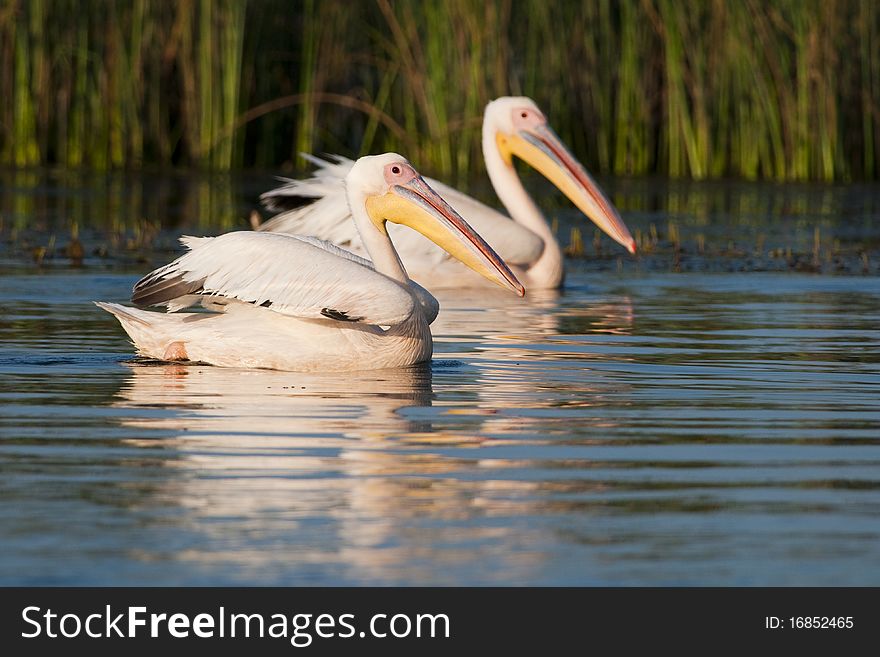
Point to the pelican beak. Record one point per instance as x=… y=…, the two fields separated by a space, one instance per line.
x=416 y=205
x=542 y=149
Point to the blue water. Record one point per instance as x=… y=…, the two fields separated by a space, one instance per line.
x=643 y=427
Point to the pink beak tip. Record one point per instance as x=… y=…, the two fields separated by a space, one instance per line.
x=631 y=247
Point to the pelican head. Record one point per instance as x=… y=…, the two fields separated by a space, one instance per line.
x=390 y=189
x=521 y=129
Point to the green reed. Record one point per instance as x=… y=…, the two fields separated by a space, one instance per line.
x=775 y=89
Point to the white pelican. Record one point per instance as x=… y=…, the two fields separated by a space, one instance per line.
x=511 y=126
x=297 y=303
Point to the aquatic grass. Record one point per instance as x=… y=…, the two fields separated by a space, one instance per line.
x=575 y=242
x=781 y=90
x=869 y=80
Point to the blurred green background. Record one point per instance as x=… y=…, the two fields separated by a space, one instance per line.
x=779 y=90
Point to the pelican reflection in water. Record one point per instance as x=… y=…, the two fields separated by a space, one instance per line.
x=328 y=469
x=363 y=474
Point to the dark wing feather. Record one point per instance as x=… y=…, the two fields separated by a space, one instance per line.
x=339 y=315
x=286 y=203
x=288 y=196
x=153 y=290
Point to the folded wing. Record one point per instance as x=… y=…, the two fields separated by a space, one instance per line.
x=296 y=276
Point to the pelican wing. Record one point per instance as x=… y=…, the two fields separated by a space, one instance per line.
x=292 y=275
x=318 y=206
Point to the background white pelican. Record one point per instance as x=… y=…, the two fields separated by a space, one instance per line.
x=297 y=303
x=511 y=126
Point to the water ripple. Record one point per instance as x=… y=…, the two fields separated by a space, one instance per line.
x=678 y=429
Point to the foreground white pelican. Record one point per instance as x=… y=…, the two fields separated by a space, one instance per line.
x=297 y=303
x=511 y=126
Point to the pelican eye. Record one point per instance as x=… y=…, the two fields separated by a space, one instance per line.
x=395 y=170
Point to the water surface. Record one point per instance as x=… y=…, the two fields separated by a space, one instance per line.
x=645 y=426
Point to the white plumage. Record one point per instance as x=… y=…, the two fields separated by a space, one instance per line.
x=329 y=218
x=511 y=126
x=300 y=303
x=295 y=276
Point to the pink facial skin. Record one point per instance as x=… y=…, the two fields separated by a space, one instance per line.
x=526 y=118
x=399 y=173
